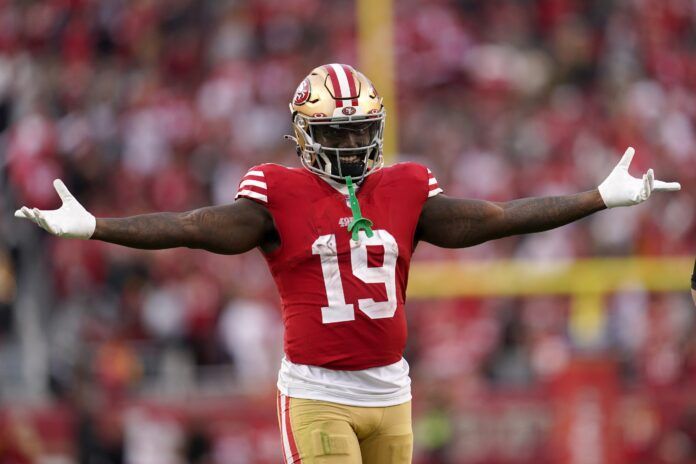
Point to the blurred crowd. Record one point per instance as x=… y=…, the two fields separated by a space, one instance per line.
x=162 y=105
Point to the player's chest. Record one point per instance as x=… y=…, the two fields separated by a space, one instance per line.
x=322 y=225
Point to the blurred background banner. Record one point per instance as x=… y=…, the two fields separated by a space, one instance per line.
x=577 y=345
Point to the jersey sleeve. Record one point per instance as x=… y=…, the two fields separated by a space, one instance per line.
x=254 y=186
x=433 y=186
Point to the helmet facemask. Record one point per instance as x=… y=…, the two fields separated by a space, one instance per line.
x=336 y=148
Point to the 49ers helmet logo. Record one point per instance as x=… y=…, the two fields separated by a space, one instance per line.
x=348 y=110
x=302 y=93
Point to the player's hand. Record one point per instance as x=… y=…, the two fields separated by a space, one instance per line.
x=622 y=189
x=71 y=220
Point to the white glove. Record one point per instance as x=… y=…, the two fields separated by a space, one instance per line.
x=71 y=220
x=622 y=189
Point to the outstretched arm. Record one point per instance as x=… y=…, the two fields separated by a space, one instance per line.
x=228 y=229
x=456 y=223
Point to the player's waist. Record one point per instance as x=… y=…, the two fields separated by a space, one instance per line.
x=378 y=386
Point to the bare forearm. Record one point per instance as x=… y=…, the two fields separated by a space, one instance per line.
x=148 y=231
x=529 y=215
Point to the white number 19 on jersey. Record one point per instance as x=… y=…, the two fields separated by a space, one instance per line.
x=338 y=310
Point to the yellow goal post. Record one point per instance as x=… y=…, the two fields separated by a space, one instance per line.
x=530 y=278
x=586 y=281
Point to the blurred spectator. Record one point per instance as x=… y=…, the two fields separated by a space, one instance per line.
x=252 y=336
x=19 y=441
x=7 y=293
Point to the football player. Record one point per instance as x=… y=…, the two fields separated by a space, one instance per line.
x=338 y=234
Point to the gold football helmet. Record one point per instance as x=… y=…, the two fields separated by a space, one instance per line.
x=338 y=121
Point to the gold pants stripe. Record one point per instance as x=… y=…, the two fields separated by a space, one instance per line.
x=290 y=452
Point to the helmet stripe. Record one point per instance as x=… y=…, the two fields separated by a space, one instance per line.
x=336 y=86
x=351 y=83
x=342 y=80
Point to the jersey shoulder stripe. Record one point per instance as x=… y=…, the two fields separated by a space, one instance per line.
x=255 y=184
x=433 y=186
x=247 y=182
x=420 y=174
x=252 y=195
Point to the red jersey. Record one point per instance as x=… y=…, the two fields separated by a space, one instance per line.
x=342 y=300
